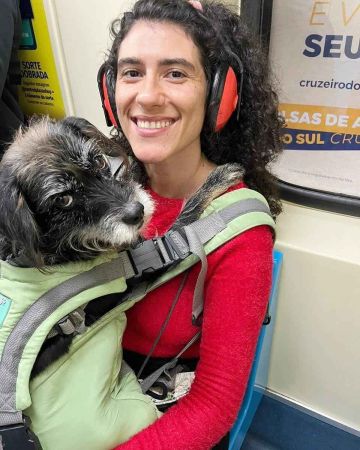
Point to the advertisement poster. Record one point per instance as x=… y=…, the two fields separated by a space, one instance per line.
x=40 y=91
x=315 y=55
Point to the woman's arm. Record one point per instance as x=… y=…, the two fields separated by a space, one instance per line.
x=236 y=296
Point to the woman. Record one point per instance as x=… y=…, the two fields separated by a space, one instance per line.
x=162 y=63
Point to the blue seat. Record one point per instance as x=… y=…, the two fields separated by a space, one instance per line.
x=259 y=371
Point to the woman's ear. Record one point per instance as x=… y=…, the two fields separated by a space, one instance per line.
x=19 y=231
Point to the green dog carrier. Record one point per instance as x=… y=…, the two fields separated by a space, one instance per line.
x=89 y=399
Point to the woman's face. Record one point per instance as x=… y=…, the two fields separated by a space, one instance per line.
x=160 y=92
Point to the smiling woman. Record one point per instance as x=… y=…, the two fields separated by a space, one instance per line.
x=187 y=90
x=160 y=98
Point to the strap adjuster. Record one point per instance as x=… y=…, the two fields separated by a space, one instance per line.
x=154 y=256
x=18 y=436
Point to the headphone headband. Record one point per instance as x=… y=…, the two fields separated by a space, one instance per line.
x=106 y=86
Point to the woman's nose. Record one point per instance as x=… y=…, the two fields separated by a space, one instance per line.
x=150 y=93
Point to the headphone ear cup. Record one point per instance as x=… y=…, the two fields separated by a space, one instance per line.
x=224 y=97
x=106 y=85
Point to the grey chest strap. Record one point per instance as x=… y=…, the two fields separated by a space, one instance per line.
x=204 y=229
x=162 y=252
x=197 y=234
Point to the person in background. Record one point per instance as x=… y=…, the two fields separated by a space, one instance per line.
x=162 y=67
x=11 y=116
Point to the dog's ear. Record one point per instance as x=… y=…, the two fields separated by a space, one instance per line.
x=81 y=127
x=85 y=129
x=18 y=229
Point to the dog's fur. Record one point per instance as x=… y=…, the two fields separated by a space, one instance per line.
x=59 y=203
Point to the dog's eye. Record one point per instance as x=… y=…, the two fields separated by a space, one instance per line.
x=64 y=201
x=100 y=162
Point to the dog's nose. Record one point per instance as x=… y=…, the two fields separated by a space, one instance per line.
x=133 y=213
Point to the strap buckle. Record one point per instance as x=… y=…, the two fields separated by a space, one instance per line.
x=165 y=383
x=73 y=322
x=155 y=255
x=18 y=437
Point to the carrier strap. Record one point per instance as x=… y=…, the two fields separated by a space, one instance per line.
x=32 y=319
x=201 y=231
x=197 y=248
x=197 y=234
x=160 y=253
x=147 y=382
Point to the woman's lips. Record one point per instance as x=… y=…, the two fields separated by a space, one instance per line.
x=151 y=127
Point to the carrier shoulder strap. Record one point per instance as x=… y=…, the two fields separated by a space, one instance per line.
x=227 y=217
x=198 y=234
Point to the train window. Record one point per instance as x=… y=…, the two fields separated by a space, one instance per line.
x=314 y=48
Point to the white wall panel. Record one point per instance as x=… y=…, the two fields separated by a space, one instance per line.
x=84 y=35
x=315 y=354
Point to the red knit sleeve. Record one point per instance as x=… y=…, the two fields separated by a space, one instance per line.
x=236 y=295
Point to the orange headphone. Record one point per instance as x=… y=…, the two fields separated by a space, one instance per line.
x=223 y=99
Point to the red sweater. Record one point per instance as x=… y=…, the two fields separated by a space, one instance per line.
x=235 y=297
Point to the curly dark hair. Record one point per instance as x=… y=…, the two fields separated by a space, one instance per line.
x=253 y=139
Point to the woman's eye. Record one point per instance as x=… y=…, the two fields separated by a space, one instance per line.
x=100 y=162
x=64 y=201
x=176 y=74
x=132 y=73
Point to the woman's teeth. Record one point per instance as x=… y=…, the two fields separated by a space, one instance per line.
x=151 y=125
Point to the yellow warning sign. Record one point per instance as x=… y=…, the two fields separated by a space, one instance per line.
x=40 y=91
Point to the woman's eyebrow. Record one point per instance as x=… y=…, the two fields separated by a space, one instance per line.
x=128 y=61
x=163 y=62
x=177 y=61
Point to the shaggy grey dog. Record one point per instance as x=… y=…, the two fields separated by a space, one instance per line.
x=59 y=201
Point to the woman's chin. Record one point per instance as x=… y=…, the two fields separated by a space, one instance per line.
x=150 y=156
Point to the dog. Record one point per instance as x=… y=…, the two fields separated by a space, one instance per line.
x=60 y=203
x=59 y=200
